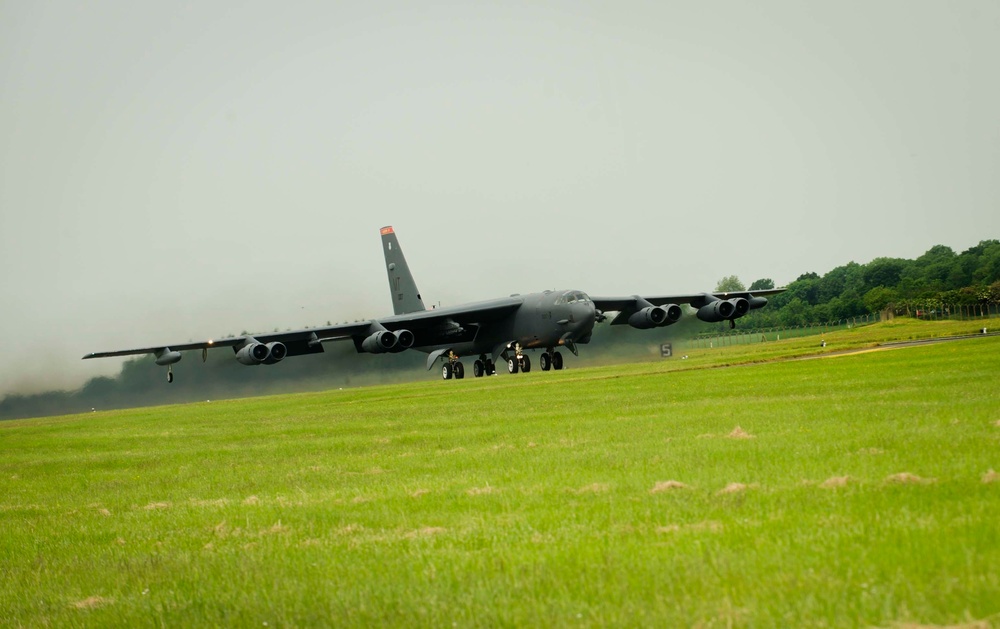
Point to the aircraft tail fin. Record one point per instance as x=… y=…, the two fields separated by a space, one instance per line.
x=405 y=296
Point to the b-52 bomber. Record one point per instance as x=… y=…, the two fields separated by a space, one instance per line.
x=499 y=329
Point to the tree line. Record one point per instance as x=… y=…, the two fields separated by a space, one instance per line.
x=938 y=278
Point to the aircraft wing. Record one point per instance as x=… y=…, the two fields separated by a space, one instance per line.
x=298 y=342
x=174 y=346
x=430 y=327
x=627 y=306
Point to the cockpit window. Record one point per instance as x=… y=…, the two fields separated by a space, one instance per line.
x=572 y=297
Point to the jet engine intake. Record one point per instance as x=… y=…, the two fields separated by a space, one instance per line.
x=404 y=340
x=740 y=307
x=655 y=316
x=716 y=311
x=275 y=352
x=253 y=354
x=380 y=342
x=722 y=310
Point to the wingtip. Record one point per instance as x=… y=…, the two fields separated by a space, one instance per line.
x=386 y=230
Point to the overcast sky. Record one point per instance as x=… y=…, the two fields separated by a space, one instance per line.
x=175 y=171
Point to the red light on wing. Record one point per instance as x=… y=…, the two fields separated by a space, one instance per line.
x=385 y=230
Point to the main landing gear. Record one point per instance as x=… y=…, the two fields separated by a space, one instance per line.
x=550 y=360
x=519 y=361
x=483 y=367
x=453 y=368
x=170 y=373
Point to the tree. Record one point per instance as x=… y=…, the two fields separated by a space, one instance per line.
x=795 y=313
x=762 y=284
x=879 y=297
x=968 y=296
x=806 y=289
x=730 y=284
x=884 y=272
x=841 y=280
x=988 y=269
x=847 y=305
x=993 y=292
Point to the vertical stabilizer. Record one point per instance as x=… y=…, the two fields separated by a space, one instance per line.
x=405 y=296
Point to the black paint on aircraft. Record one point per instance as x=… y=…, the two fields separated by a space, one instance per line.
x=500 y=329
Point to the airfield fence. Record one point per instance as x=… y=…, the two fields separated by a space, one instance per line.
x=924 y=312
x=942 y=312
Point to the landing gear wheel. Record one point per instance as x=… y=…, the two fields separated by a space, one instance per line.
x=170 y=376
x=491 y=369
x=525 y=363
x=512 y=365
x=446 y=371
x=478 y=369
x=545 y=361
x=557 y=362
x=459 y=370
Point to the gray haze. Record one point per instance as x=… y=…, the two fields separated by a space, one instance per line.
x=176 y=171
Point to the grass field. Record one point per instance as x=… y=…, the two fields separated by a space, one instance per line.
x=855 y=490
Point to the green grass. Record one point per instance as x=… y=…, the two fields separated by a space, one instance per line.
x=529 y=500
x=749 y=348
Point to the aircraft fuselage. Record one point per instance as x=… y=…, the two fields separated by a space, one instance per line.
x=543 y=320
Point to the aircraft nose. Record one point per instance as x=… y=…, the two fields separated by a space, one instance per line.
x=583 y=317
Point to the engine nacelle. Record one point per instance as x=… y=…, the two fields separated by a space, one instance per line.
x=253 y=354
x=404 y=340
x=276 y=351
x=723 y=310
x=757 y=302
x=716 y=311
x=379 y=343
x=655 y=316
